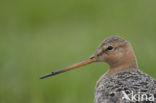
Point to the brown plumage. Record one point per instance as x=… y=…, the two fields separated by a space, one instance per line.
x=123 y=75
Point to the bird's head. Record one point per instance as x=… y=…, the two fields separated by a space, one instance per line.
x=115 y=51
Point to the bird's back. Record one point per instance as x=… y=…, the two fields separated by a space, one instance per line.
x=126 y=87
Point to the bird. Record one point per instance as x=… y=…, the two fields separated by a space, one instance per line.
x=123 y=82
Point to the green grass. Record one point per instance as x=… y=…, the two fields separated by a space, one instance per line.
x=37 y=37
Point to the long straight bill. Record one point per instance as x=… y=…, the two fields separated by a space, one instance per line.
x=81 y=63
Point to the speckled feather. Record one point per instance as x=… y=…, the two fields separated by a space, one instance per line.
x=109 y=90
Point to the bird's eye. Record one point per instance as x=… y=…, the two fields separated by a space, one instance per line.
x=109 y=48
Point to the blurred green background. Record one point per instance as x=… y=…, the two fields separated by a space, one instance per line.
x=37 y=37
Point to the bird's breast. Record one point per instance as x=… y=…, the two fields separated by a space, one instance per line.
x=110 y=90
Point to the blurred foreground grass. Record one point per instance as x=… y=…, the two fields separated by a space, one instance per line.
x=37 y=37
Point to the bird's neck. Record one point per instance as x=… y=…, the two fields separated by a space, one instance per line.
x=127 y=63
x=113 y=71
